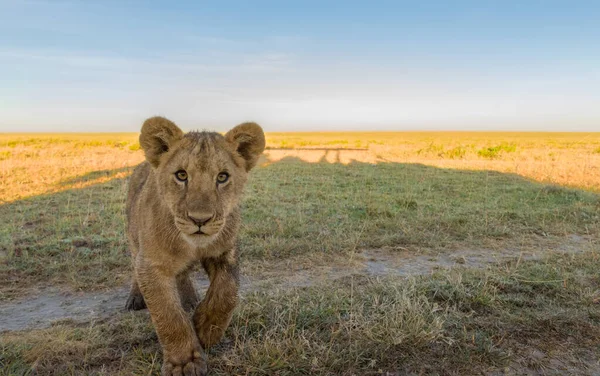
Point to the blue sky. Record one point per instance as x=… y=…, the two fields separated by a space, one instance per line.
x=300 y=65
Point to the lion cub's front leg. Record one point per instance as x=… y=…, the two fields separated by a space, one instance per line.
x=182 y=353
x=213 y=314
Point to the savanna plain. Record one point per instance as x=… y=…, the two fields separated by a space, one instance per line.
x=417 y=253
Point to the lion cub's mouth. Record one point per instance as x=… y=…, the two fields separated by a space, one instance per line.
x=209 y=229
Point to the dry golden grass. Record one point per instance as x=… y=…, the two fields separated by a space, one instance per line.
x=34 y=164
x=569 y=159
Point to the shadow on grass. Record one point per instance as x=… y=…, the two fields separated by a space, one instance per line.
x=72 y=237
x=93 y=175
x=317 y=148
x=293 y=208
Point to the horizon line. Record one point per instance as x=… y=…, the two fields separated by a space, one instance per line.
x=324 y=132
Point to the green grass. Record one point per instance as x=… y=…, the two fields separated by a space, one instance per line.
x=294 y=208
x=331 y=207
x=494 y=151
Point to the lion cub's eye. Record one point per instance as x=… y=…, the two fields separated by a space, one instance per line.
x=222 y=177
x=181 y=175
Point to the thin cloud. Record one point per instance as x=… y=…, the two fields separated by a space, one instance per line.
x=242 y=62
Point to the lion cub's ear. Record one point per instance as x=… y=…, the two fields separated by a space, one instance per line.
x=158 y=135
x=249 y=141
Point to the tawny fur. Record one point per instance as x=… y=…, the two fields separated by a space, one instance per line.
x=166 y=241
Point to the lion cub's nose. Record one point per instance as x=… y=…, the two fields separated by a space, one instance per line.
x=200 y=219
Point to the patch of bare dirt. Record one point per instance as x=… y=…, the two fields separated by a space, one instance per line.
x=51 y=305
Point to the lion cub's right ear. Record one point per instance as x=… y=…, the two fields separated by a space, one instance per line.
x=158 y=135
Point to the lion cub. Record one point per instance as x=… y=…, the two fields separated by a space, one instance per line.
x=183 y=209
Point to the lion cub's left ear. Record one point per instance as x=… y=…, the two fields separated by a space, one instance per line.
x=249 y=141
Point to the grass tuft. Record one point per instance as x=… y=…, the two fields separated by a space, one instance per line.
x=496 y=151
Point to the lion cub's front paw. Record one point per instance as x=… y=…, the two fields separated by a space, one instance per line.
x=194 y=366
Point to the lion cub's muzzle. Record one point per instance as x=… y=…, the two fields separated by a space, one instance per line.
x=199 y=224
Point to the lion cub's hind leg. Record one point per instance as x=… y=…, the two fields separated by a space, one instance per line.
x=135 y=301
x=187 y=292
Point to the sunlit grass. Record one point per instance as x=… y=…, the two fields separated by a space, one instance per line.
x=32 y=164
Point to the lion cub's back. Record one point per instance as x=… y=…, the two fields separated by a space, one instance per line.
x=136 y=184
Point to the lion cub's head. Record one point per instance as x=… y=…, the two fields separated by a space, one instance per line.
x=200 y=175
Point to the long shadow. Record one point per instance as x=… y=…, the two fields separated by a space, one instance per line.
x=292 y=208
x=93 y=175
x=317 y=149
x=74 y=236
